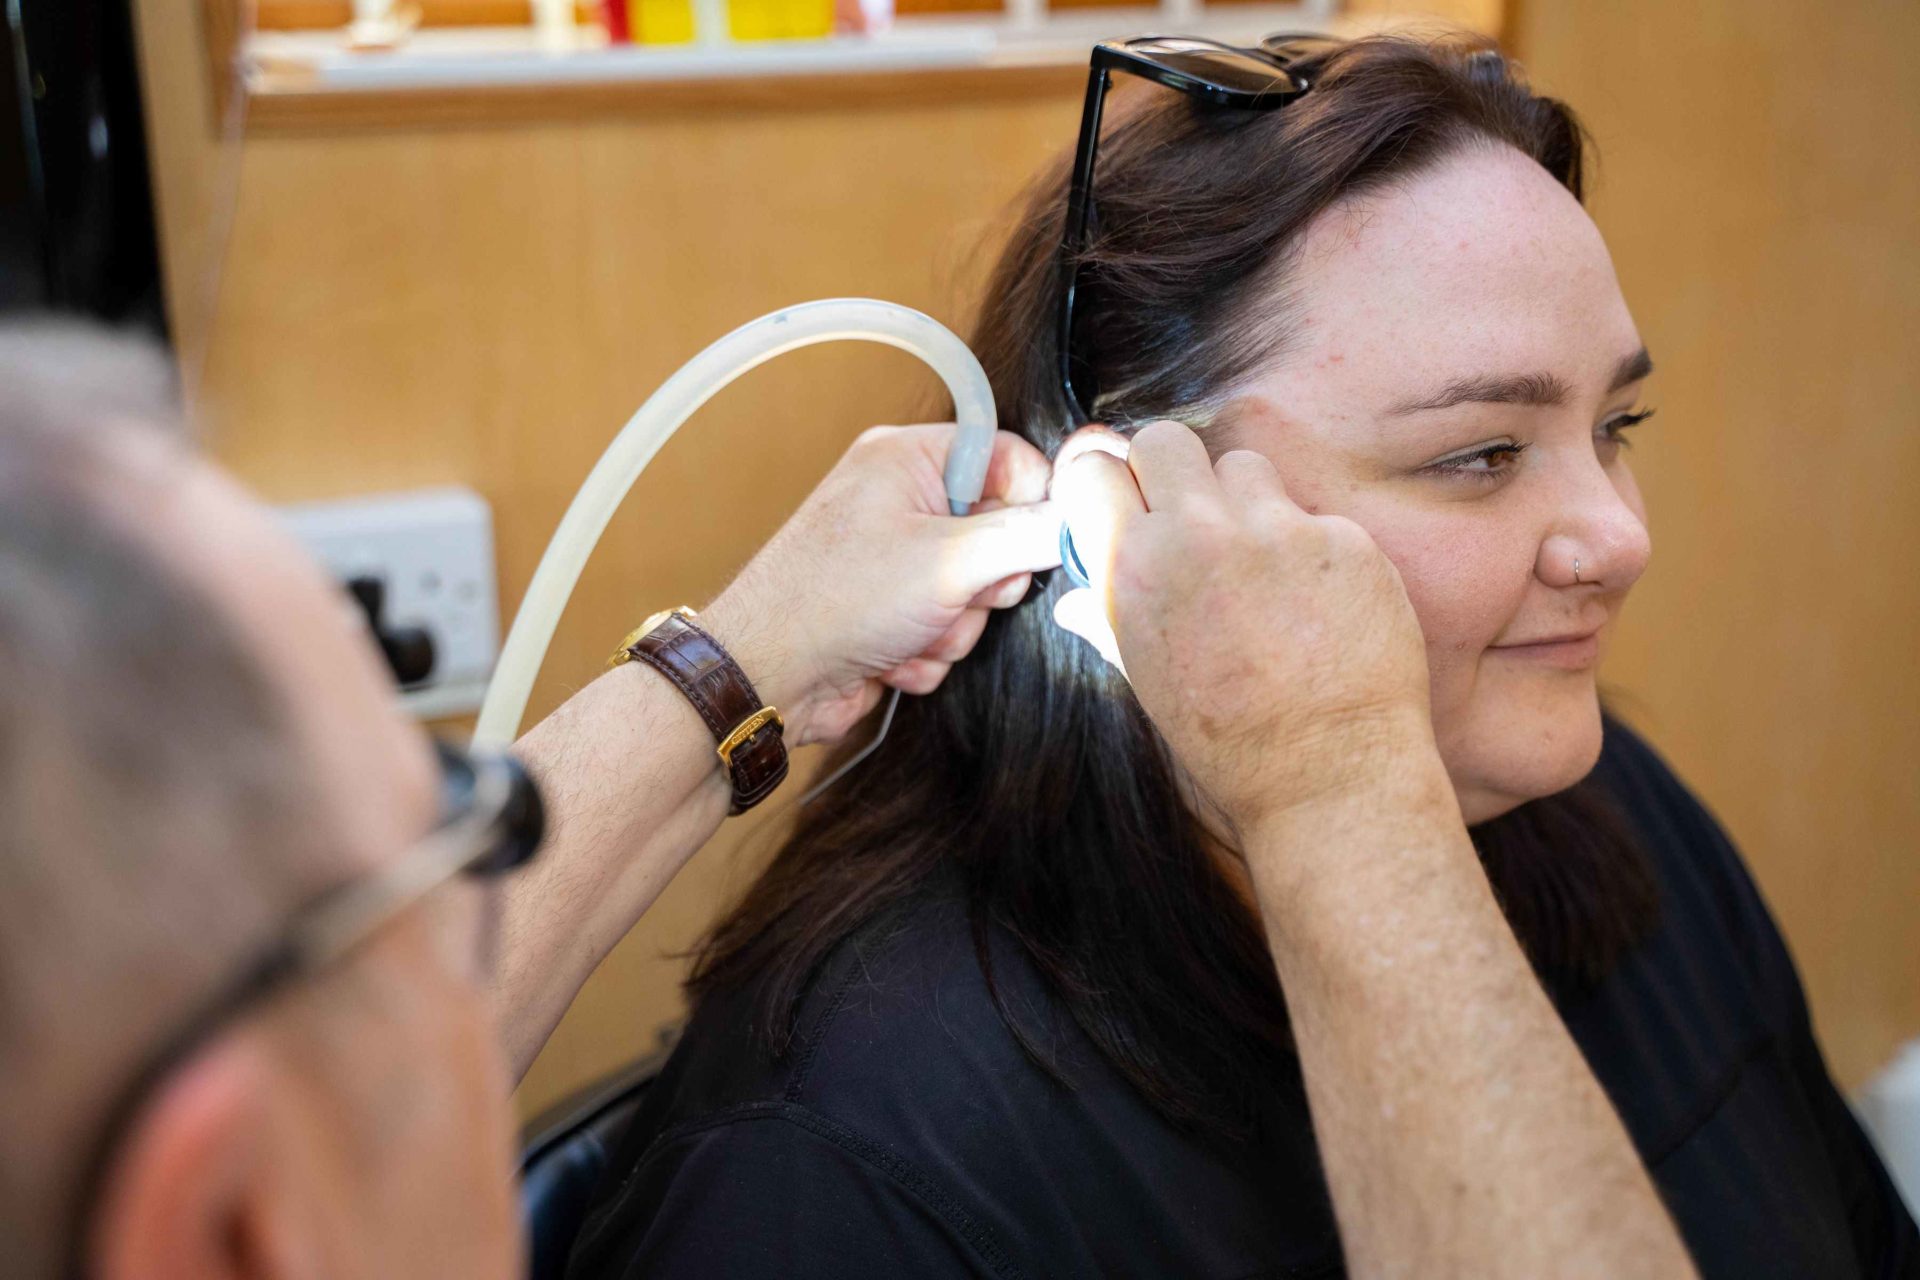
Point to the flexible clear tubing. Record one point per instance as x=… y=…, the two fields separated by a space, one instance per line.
x=748 y=347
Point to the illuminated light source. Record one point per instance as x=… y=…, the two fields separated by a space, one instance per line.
x=1070 y=560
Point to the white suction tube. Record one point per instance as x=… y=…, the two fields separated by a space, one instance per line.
x=748 y=347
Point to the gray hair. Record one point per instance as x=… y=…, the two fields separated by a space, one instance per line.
x=151 y=785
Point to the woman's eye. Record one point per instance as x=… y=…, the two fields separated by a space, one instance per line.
x=1487 y=463
x=1613 y=431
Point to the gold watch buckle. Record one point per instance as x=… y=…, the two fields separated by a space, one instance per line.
x=744 y=731
x=624 y=652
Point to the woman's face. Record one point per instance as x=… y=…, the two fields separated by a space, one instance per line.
x=1462 y=364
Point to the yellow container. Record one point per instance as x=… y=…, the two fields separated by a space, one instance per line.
x=779 y=19
x=661 y=21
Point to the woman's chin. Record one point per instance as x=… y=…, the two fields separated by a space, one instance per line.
x=1499 y=766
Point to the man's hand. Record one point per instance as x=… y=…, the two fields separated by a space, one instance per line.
x=1275 y=650
x=1461 y=1131
x=872 y=583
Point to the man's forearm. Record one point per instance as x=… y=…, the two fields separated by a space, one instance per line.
x=633 y=789
x=870 y=583
x=1461 y=1131
x=627 y=770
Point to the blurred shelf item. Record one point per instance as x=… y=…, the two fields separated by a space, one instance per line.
x=933 y=51
x=313 y=62
x=303 y=15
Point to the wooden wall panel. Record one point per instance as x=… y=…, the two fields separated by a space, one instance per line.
x=487 y=304
x=1759 y=190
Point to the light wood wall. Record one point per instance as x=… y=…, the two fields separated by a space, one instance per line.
x=485 y=305
x=1759 y=191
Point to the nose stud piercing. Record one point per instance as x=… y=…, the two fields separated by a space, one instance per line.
x=1576 y=569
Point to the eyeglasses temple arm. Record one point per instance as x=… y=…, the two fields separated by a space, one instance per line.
x=1074 y=233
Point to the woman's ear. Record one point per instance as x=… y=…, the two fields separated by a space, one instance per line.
x=1090 y=438
x=189 y=1193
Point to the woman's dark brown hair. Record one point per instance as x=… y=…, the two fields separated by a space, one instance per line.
x=1031 y=779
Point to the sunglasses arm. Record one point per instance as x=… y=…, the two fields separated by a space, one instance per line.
x=1074 y=233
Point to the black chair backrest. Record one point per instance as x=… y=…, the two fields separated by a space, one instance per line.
x=565 y=1155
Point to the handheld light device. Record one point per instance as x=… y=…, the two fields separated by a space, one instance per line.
x=1070 y=559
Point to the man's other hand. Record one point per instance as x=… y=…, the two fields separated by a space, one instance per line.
x=1275 y=650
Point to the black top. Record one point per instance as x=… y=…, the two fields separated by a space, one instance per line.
x=907 y=1135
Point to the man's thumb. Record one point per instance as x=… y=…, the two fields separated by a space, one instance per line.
x=979 y=550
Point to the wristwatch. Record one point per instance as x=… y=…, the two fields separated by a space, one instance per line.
x=749 y=733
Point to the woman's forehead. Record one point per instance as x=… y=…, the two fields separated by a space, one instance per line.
x=1481 y=263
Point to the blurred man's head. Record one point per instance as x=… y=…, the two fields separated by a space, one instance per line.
x=195 y=741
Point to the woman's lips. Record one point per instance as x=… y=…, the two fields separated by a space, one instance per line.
x=1572 y=653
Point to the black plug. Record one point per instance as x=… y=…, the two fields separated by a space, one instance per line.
x=409 y=651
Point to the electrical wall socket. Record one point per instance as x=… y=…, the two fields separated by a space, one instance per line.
x=432 y=551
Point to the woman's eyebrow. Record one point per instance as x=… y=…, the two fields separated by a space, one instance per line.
x=1520 y=388
x=1630 y=370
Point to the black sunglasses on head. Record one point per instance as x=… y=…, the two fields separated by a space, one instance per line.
x=1220 y=75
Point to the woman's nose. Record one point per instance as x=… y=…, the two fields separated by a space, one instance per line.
x=1596 y=538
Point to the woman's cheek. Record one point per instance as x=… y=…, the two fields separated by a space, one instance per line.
x=1465 y=574
x=1465 y=588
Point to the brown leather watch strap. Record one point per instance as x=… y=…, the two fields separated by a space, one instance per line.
x=752 y=745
